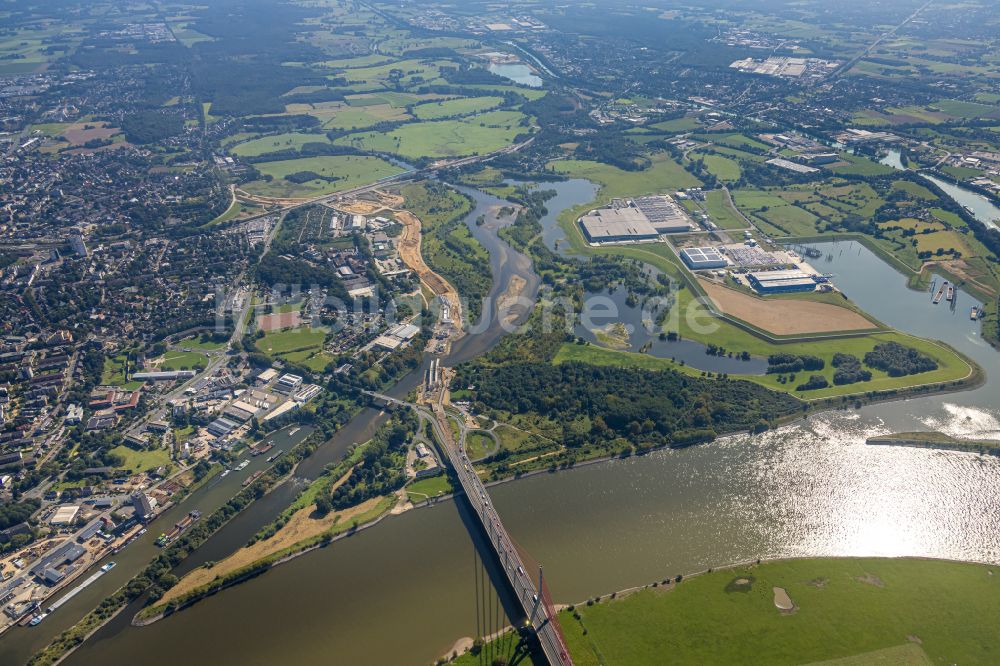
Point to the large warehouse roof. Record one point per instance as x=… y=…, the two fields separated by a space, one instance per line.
x=663 y=213
x=617 y=224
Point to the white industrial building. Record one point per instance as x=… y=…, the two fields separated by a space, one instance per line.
x=703 y=258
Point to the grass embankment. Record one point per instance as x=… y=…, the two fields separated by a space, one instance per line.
x=953 y=369
x=430 y=487
x=864 y=611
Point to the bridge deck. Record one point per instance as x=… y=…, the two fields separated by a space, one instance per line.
x=520 y=581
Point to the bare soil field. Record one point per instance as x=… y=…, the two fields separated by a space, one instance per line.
x=278 y=321
x=77 y=134
x=785 y=317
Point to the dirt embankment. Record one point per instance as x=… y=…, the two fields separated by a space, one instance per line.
x=409 y=252
x=785 y=316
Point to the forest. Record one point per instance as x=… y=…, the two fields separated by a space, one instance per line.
x=645 y=407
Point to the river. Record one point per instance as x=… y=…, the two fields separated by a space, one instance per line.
x=978 y=206
x=401 y=592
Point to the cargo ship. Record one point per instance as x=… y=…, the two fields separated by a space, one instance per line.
x=275 y=456
x=940 y=292
x=103 y=570
x=179 y=528
x=253 y=477
x=262 y=449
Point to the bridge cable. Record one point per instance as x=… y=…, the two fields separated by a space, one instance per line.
x=491 y=591
x=496 y=609
x=475 y=587
x=482 y=592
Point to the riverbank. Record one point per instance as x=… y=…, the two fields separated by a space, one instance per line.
x=862 y=610
x=299 y=528
x=367 y=515
x=937 y=440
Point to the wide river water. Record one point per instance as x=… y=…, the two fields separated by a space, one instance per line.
x=402 y=592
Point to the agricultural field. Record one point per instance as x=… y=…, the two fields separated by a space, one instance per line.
x=336 y=172
x=806 y=210
x=677 y=125
x=861 y=166
x=665 y=175
x=276 y=143
x=461 y=106
x=937 y=113
x=477 y=135
x=721 y=167
x=31 y=48
x=914 y=190
x=846 y=612
x=392 y=98
x=394 y=74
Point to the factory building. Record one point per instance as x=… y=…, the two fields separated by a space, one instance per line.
x=703 y=258
x=616 y=225
x=164 y=375
x=45 y=569
x=288 y=383
x=782 y=282
x=221 y=427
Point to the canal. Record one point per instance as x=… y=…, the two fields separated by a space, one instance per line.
x=402 y=592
